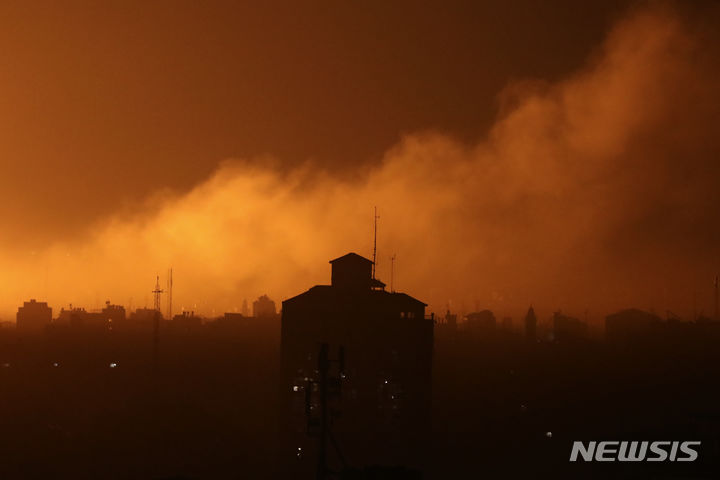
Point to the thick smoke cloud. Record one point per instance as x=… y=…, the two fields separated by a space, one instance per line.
x=592 y=193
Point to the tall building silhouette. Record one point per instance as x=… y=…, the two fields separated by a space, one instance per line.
x=388 y=345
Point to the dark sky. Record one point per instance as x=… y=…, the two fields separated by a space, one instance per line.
x=104 y=103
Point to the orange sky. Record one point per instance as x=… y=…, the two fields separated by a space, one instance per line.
x=516 y=156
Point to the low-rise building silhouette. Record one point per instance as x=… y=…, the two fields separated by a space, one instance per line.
x=79 y=318
x=263 y=307
x=114 y=315
x=186 y=322
x=630 y=325
x=33 y=316
x=143 y=319
x=482 y=322
x=566 y=328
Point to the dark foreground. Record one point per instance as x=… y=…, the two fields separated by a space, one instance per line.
x=208 y=408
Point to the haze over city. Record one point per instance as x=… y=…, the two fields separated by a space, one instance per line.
x=585 y=180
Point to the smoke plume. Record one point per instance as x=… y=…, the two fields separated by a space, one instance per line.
x=595 y=192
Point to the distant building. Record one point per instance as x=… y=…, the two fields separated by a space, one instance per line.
x=451 y=320
x=33 y=316
x=531 y=325
x=263 y=307
x=446 y=328
x=186 y=322
x=233 y=317
x=630 y=325
x=507 y=324
x=481 y=322
x=566 y=328
x=66 y=316
x=232 y=320
x=388 y=345
x=79 y=318
x=143 y=319
x=114 y=315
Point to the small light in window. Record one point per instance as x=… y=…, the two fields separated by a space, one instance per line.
x=113 y=365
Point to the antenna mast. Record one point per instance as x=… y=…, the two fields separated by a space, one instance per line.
x=157 y=292
x=169 y=292
x=392 y=273
x=375 y=219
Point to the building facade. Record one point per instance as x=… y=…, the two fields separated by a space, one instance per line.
x=387 y=345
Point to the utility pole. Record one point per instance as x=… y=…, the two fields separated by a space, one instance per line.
x=169 y=293
x=375 y=219
x=156 y=338
x=156 y=320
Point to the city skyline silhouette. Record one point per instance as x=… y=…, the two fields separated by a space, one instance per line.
x=377 y=241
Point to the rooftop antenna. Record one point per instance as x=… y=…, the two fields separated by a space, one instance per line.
x=392 y=274
x=156 y=322
x=169 y=292
x=375 y=219
x=156 y=293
